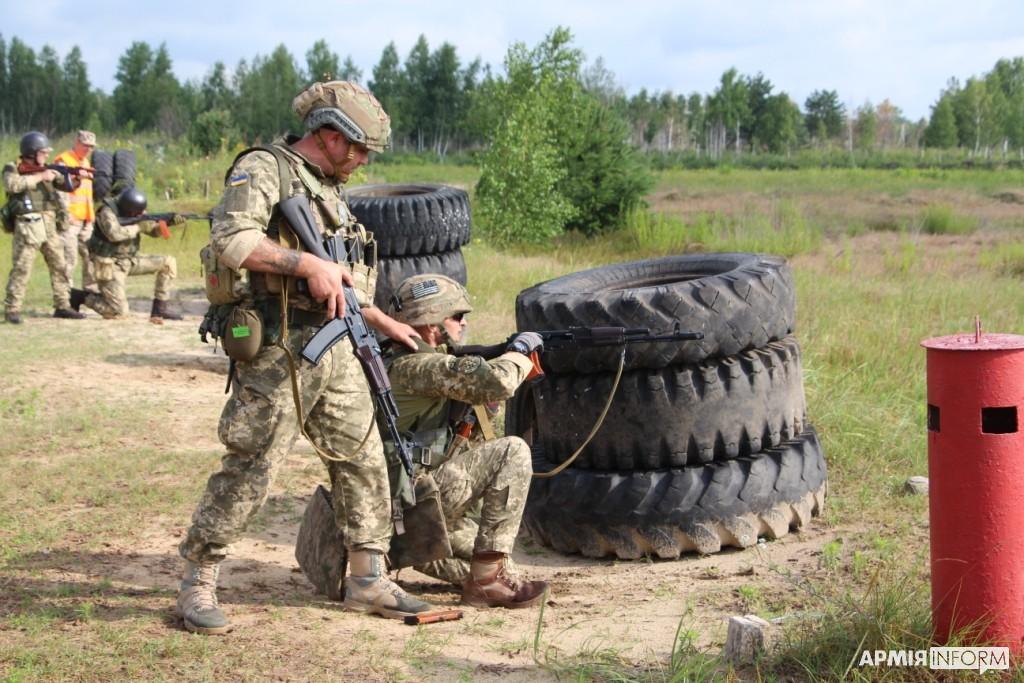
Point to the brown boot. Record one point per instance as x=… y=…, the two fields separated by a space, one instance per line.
x=161 y=312
x=492 y=584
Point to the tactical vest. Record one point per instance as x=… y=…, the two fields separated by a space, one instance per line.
x=294 y=178
x=100 y=245
x=425 y=419
x=40 y=198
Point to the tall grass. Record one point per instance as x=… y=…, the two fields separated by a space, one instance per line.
x=784 y=231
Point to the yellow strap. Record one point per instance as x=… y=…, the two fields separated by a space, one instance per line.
x=282 y=342
x=597 y=425
x=484 y=420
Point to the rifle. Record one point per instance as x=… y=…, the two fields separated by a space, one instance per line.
x=351 y=324
x=66 y=171
x=580 y=337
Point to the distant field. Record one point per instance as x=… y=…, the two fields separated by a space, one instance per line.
x=883 y=259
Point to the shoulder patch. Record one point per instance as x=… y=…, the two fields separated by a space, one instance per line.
x=467 y=365
x=238 y=179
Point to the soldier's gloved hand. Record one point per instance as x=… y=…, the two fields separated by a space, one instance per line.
x=178 y=219
x=526 y=343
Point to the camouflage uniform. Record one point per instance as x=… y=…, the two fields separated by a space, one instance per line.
x=36 y=230
x=114 y=252
x=494 y=474
x=258 y=424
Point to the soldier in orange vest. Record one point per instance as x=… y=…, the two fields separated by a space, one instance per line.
x=79 y=211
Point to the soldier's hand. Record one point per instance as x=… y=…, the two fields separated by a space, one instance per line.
x=48 y=176
x=325 y=284
x=178 y=219
x=388 y=326
x=526 y=343
x=85 y=174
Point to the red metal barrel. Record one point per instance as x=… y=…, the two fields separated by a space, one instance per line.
x=976 y=487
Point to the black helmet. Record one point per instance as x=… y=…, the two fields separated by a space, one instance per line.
x=131 y=202
x=33 y=142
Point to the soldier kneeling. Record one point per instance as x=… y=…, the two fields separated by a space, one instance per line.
x=435 y=392
x=114 y=250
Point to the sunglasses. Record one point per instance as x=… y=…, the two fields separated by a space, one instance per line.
x=458 y=317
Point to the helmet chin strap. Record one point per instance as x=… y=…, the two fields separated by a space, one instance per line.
x=340 y=175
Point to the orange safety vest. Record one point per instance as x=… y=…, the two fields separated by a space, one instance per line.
x=80 y=204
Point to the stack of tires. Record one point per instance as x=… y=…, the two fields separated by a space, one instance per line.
x=705 y=444
x=111 y=168
x=418 y=229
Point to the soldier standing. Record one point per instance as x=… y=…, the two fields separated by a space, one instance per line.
x=433 y=390
x=258 y=426
x=32 y=190
x=79 y=210
x=114 y=251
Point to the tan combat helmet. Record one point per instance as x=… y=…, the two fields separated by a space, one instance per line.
x=349 y=109
x=428 y=299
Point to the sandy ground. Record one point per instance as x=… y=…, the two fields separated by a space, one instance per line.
x=634 y=608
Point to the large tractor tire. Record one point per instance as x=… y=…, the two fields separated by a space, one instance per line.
x=413 y=220
x=392 y=271
x=103 y=164
x=739 y=302
x=665 y=513
x=676 y=416
x=124 y=167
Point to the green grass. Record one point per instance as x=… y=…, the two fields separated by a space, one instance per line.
x=868 y=292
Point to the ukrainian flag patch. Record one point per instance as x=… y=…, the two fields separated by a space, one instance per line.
x=240 y=179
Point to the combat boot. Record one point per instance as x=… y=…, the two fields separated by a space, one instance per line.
x=13 y=317
x=492 y=583
x=161 y=312
x=78 y=298
x=197 y=599
x=368 y=589
x=68 y=314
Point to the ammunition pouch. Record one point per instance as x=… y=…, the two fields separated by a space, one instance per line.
x=426 y=532
x=243 y=334
x=221 y=281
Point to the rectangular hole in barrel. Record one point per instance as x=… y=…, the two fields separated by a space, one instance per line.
x=933 y=418
x=999 y=420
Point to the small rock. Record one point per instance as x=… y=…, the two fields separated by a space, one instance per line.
x=916 y=486
x=746 y=639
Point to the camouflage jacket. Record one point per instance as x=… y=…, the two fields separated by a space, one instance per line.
x=111 y=239
x=32 y=197
x=246 y=214
x=426 y=382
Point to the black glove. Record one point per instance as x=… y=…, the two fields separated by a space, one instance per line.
x=526 y=343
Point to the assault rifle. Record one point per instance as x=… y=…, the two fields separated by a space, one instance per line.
x=580 y=337
x=160 y=217
x=66 y=171
x=351 y=324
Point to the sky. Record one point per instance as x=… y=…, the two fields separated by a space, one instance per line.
x=866 y=50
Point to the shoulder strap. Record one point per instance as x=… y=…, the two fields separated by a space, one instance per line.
x=284 y=173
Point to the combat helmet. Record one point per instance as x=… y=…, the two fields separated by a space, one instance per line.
x=349 y=109
x=33 y=142
x=131 y=202
x=428 y=299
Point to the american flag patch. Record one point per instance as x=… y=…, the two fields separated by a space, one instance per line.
x=425 y=288
x=240 y=179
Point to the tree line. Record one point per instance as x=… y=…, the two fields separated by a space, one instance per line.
x=441 y=104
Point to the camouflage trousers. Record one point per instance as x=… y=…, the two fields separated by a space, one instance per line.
x=494 y=478
x=37 y=232
x=258 y=427
x=76 y=235
x=111 y=273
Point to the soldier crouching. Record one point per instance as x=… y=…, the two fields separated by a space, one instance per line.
x=114 y=251
x=435 y=392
